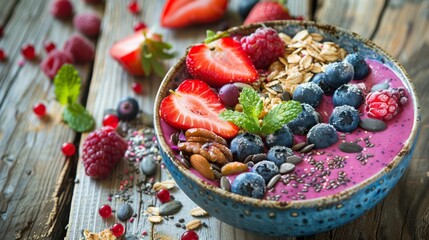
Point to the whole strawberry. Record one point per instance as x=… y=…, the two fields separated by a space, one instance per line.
x=102 y=150
x=385 y=104
x=267 y=11
x=61 y=9
x=80 y=48
x=87 y=23
x=264 y=46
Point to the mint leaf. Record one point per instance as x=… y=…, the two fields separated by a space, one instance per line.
x=78 y=118
x=251 y=102
x=240 y=119
x=280 y=115
x=67 y=84
x=212 y=36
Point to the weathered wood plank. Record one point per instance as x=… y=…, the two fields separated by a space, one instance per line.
x=6 y=10
x=403 y=32
x=109 y=84
x=359 y=16
x=34 y=184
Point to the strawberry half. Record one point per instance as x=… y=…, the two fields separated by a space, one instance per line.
x=181 y=13
x=267 y=11
x=220 y=62
x=128 y=52
x=195 y=105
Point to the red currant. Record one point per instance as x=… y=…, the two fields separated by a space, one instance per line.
x=68 y=149
x=118 y=229
x=105 y=211
x=189 y=235
x=2 y=55
x=49 y=46
x=133 y=7
x=139 y=26
x=163 y=195
x=39 y=109
x=110 y=120
x=28 y=51
x=137 y=88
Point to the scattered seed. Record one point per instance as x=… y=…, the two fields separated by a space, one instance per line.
x=298 y=146
x=124 y=212
x=293 y=159
x=286 y=167
x=169 y=208
x=307 y=148
x=273 y=181
x=148 y=165
x=350 y=147
x=372 y=124
x=225 y=184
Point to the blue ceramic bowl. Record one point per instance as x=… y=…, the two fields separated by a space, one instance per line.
x=302 y=217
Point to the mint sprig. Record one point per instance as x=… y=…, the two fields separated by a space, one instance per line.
x=152 y=51
x=252 y=104
x=67 y=85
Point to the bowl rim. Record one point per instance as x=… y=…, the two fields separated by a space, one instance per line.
x=314 y=202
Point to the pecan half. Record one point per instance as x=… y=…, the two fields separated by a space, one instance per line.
x=204 y=133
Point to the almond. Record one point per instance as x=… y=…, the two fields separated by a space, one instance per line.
x=234 y=168
x=202 y=166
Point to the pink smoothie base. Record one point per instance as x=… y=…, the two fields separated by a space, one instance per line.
x=387 y=145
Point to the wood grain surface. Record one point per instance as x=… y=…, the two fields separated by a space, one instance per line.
x=44 y=195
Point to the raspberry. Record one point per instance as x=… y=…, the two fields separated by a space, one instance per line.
x=80 y=48
x=62 y=9
x=87 y=23
x=385 y=104
x=263 y=46
x=54 y=61
x=102 y=150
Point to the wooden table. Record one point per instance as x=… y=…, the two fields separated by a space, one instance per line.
x=44 y=195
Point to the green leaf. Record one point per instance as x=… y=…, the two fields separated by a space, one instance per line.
x=146 y=60
x=240 y=119
x=158 y=69
x=251 y=102
x=280 y=115
x=67 y=84
x=78 y=118
x=212 y=36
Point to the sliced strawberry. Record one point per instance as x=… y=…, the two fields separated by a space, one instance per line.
x=181 y=13
x=127 y=51
x=196 y=105
x=267 y=11
x=220 y=62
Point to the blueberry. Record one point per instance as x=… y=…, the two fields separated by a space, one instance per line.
x=359 y=65
x=339 y=73
x=281 y=137
x=309 y=93
x=266 y=169
x=245 y=6
x=304 y=121
x=249 y=184
x=127 y=108
x=344 y=118
x=320 y=79
x=278 y=154
x=322 y=135
x=348 y=94
x=246 y=144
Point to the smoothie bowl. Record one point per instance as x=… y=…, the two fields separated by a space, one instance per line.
x=297 y=138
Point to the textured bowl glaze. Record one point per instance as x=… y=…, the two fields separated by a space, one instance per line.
x=303 y=217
